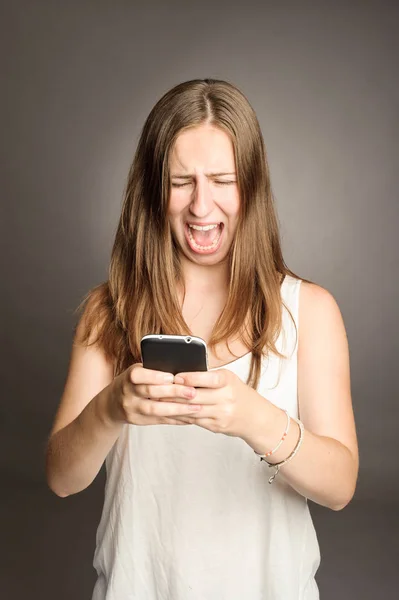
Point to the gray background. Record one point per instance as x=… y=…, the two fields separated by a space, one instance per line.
x=80 y=78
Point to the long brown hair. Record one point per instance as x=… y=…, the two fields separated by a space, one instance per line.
x=140 y=296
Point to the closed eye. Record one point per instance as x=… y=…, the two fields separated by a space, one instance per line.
x=179 y=185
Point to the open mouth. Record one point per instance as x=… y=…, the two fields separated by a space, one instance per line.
x=204 y=239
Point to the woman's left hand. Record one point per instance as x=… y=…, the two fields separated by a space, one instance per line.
x=228 y=405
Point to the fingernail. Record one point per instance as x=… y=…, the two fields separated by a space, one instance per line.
x=168 y=378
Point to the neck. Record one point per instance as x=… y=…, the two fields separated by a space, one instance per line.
x=205 y=279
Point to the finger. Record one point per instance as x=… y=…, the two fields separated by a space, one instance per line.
x=204 y=412
x=185 y=420
x=206 y=379
x=207 y=397
x=153 y=408
x=170 y=421
x=140 y=375
x=209 y=424
x=179 y=393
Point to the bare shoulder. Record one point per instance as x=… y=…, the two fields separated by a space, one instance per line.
x=318 y=311
x=90 y=370
x=321 y=327
x=314 y=297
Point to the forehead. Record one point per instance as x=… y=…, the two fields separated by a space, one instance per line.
x=203 y=147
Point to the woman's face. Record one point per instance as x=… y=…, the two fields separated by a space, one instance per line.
x=204 y=194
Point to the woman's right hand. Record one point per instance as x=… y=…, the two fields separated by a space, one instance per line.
x=142 y=396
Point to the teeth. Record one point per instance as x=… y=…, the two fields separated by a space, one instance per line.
x=194 y=243
x=203 y=228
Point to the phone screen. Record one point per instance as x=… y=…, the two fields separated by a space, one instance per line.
x=174 y=353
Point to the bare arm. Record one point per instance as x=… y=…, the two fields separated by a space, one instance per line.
x=83 y=431
x=326 y=467
x=76 y=452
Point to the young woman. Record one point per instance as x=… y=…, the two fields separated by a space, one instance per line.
x=190 y=509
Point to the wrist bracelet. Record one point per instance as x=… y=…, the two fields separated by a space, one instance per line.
x=264 y=456
x=295 y=450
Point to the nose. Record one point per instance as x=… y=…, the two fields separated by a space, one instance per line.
x=202 y=201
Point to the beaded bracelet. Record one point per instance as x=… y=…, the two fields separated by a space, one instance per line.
x=264 y=456
x=295 y=450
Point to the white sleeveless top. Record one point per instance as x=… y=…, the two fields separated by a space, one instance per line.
x=190 y=515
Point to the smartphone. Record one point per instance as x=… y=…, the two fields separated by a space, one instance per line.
x=174 y=353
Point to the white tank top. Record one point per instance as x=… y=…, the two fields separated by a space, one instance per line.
x=190 y=515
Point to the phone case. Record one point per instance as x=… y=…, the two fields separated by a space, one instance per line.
x=174 y=353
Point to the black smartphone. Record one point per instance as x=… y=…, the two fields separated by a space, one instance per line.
x=174 y=353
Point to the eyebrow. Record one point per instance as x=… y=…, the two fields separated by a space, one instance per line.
x=178 y=176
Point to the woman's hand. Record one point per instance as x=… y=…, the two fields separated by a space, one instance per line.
x=145 y=397
x=228 y=405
